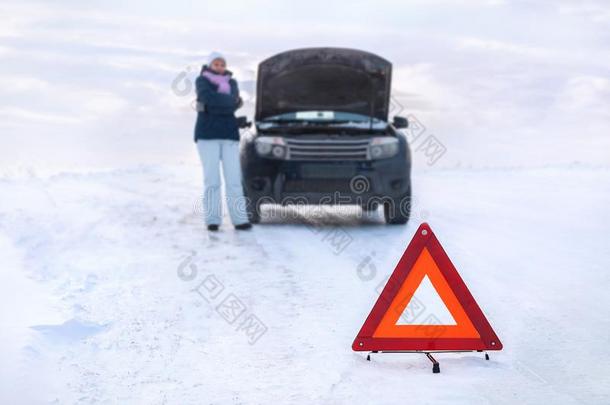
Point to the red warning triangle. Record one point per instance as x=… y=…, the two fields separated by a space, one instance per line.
x=400 y=321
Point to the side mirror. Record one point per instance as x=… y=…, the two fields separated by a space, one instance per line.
x=242 y=122
x=400 y=122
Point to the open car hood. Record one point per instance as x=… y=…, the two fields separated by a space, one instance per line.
x=326 y=79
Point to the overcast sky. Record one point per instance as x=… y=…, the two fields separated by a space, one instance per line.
x=498 y=83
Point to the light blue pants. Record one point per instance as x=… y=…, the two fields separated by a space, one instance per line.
x=212 y=152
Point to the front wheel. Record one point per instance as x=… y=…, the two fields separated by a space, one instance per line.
x=254 y=212
x=397 y=211
x=370 y=207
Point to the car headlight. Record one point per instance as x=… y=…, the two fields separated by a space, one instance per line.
x=271 y=147
x=382 y=147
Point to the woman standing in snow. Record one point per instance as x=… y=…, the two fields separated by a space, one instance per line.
x=217 y=138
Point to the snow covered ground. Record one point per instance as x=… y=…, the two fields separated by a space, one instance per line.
x=111 y=291
x=105 y=273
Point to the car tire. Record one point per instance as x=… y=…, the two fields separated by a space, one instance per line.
x=398 y=210
x=254 y=212
x=370 y=207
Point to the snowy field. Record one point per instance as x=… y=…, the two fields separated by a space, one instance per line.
x=110 y=314
x=111 y=290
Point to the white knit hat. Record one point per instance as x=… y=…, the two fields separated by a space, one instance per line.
x=215 y=55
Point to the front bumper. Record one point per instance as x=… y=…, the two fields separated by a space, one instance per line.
x=321 y=182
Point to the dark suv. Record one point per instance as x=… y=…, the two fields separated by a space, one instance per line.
x=323 y=136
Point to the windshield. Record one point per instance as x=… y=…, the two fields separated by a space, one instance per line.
x=321 y=121
x=322 y=117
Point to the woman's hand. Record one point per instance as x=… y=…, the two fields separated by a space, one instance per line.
x=240 y=103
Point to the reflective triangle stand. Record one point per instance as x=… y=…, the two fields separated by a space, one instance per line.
x=436 y=368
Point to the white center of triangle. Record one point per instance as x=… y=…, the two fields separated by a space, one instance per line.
x=426 y=307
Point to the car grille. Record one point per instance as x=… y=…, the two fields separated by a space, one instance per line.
x=327 y=149
x=319 y=186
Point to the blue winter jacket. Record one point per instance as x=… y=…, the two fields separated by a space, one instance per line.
x=217 y=120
